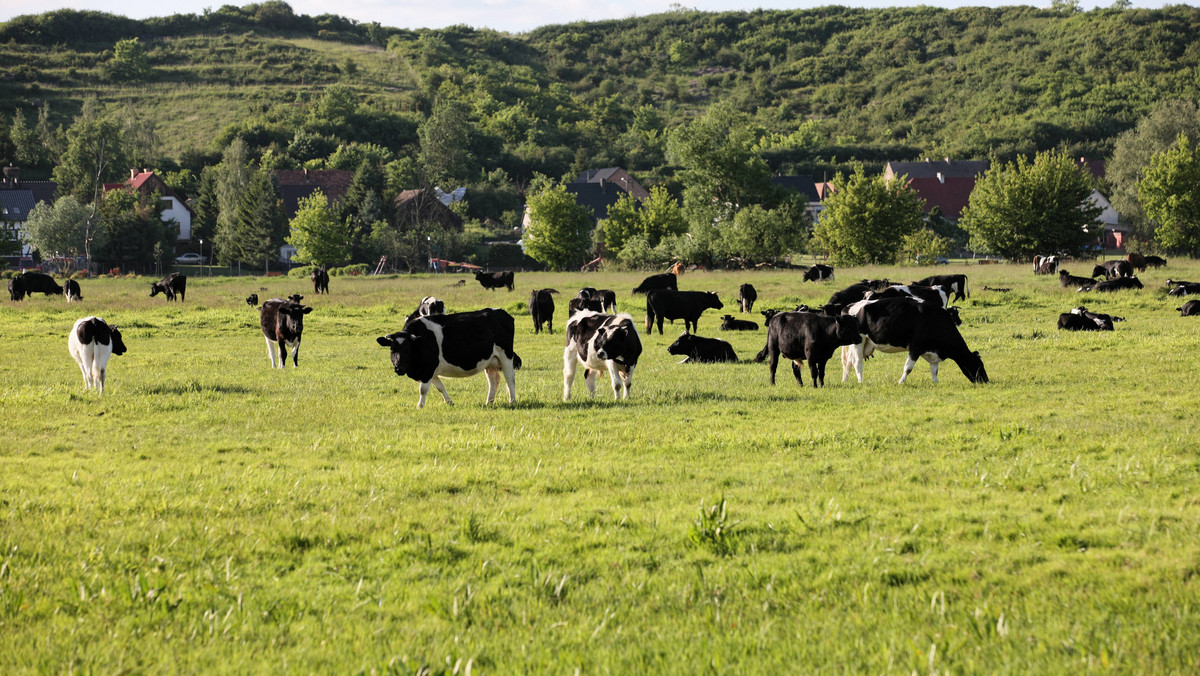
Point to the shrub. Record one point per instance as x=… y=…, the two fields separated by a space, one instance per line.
x=349 y=270
x=80 y=274
x=302 y=272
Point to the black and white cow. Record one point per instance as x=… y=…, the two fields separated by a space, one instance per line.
x=818 y=272
x=37 y=282
x=91 y=343
x=685 y=305
x=1182 y=288
x=174 y=284
x=747 y=295
x=731 y=323
x=72 y=291
x=1068 y=280
x=599 y=341
x=703 y=350
x=580 y=304
x=1080 y=319
x=457 y=345
x=1189 y=309
x=808 y=336
x=282 y=323
x=920 y=329
x=956 y=284
x=428 y=306
x=607 y=298
x=320 y=280
x=1045 y=265
x=541 y=308
x=666 y=280
x=937 y=295
x=1118 y=284
x=495 y=280
x=1113 y=269
x=1155 y=261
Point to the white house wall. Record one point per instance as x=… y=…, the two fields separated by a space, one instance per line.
x=178 y=213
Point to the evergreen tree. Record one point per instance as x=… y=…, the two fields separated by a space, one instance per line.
x=130 y=227
x=231 y=180
x=259 y=225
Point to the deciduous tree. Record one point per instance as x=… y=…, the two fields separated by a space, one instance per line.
x=58 y=228
x=867 y=218
x=319 y=235
x=1155 y=133
x=1170 y=193
x=559 y=231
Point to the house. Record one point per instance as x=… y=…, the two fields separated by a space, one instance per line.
x=17 y=199
x=806 y=186
x=945 y=184
x=175 y=210
x=423 y=206
x=599 y=189
x=297 y=184
x=1116 y=235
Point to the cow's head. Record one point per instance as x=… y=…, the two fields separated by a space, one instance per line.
x=292 y=316
x=847 y=330
x=972 y=368
x=118 y=345
x=401 y=345
x=1137 y=282
x=953 y=310
x=1098 y=270
x=480 y=276
x=619 y=343
x=157 y=288
x=714 y=301
x=682 y=345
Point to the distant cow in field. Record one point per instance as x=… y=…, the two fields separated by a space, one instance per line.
x=936 y=295
x=1189 y=309
x=91 y=343
x=703 y=350
x=1137 y=260
x=428 y=306
x=456 y=346
x=730 y=323
x=811 y=337
x=746 y=297
x=252 y=299
x=1068 y=280
x=1045 y=265
x=37 y=282
x=16 y=288
x=956 y=284
x=607 y=298
x=72 y=291
x=320 y=280
x=1113 y=269
x=1080 y=319
x=174 y=284
x=580 y=304
x=541 y=308
x=282 y=323
x=1155 y=261
x=495 y=280
x=666 y=280
x=295 y=298
x=600 y=341
x=818 y=272
x=1118 y=284
x=1179 y=288
x=685 y=305
x=923 y=330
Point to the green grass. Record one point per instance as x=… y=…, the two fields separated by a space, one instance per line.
x=209 y=514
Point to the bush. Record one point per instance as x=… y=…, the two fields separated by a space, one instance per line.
x=349 y=270
x=80 y=274
x=302 y=272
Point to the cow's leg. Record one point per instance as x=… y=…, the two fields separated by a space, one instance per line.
x=910 y=362
x=270 y=352
x=934 y=362
x=660 y=321
x=860 y=356
x=98 y=376
x=87 y=376
x=847 y=362
x=570 y=363
x=589 y=379
x=814 y=371
x=773 y=362
x=493 y=380
x=510 y=379
x=295 y=354
x=441 y=387
x=797 y=371
x=614 y=374
x=424 y=390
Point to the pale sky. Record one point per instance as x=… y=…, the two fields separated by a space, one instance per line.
x=513 y=16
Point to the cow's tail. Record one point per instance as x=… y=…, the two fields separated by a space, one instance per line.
x=966 y=286
x=516 y=359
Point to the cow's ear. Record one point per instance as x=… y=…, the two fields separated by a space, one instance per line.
x=976 y=353
x=307 y=310
x=385 y=341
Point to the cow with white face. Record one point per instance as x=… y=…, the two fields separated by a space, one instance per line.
x=600 y=341
x=91 y=343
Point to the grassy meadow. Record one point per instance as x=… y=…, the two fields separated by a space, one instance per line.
x=208 y=514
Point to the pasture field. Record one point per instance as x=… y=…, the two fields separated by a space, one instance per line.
x=208 y=514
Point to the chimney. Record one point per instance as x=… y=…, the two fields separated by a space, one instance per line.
x=132 y=174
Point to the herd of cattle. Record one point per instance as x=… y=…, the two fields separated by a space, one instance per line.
x=864 y=317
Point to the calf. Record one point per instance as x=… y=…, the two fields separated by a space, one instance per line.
x=1118 y=284
x=71 y=290
x=811 y=337
x=456 y=346
x=282 y=323
x=16 y=289
x=703 y=350
x=1182 y=288
x=1113 y=269
x=1080 y=319
x=1189 y=309
x=37 y=282
x=746 y=297
x=664 y=281
x=936 y=295
x=1155 y=261
x=729 y=323
x=428 y=306
x=600 y=341
x=295 y=298
x=818 y=272
x=580 y=304
x=541 y=308
x=956 y=284
x=320 y=280
x=171 y=285
x=1045 y=265
x=685 y=305
x=920 y=329
x=252 y=299
x=1068 y=280
x=91 y=343
x=495 y=280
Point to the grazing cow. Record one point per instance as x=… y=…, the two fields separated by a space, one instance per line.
x=320 y=280
x=746 y=297
x=685 y=305
x=171 y=285
x=1182 y=288
x=495 y=280
x=1155 y=261
x=580 y=304
x=1137 y=260
x=1189 y=309
x=1080 y=319
x=252 y=299
x=818 y=272
x=37 y=282
x=937 y=295
x=729 y=323
x=956 y=284
x=72 y=291
x=1045 y=265
x=456 y=346
x=920 y=329
x=1068 y=280
x=850 y=295
x=607 y=297
x=600 y=341
x=666 y=280
x=1119 y=284
x=282 y=323
x=811 y=337
x=703 y=350
x=1113 y=269
x=91 y=343
x=428 y=306
x=16 y=288
x=541 y=308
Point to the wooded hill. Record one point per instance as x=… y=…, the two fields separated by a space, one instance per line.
x=826 y=85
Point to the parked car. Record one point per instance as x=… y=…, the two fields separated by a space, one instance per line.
x=191 y=259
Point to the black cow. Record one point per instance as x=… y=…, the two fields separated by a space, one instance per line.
x=72 y=291
x=937 y=295
x=921 y=329
x=730 y=323
x=1068 y=280
x=600 y=341
x=580 y=304
x=746 y=297
x=685 y=305
x=428 y=306
x=1045 y=265
x=956 y=284
x=37 y=282
x=1118 y=284
x=495 y=280
x=252 y=299
x=1113 y=269
x=320 y=280
x=16 y=288
x=171 y=285
x=282 y=323
x=456 y=346
x=295 y=298
x=1182 y=288
x=850 y=295
x=541 y=308
x=811 y=337
x=1189 y=309
x=876 y=284
x=666 y=280
x=607 y=298
x=1080 y=319
x=703 y=350
x=1155 y=261
x=818 y=272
